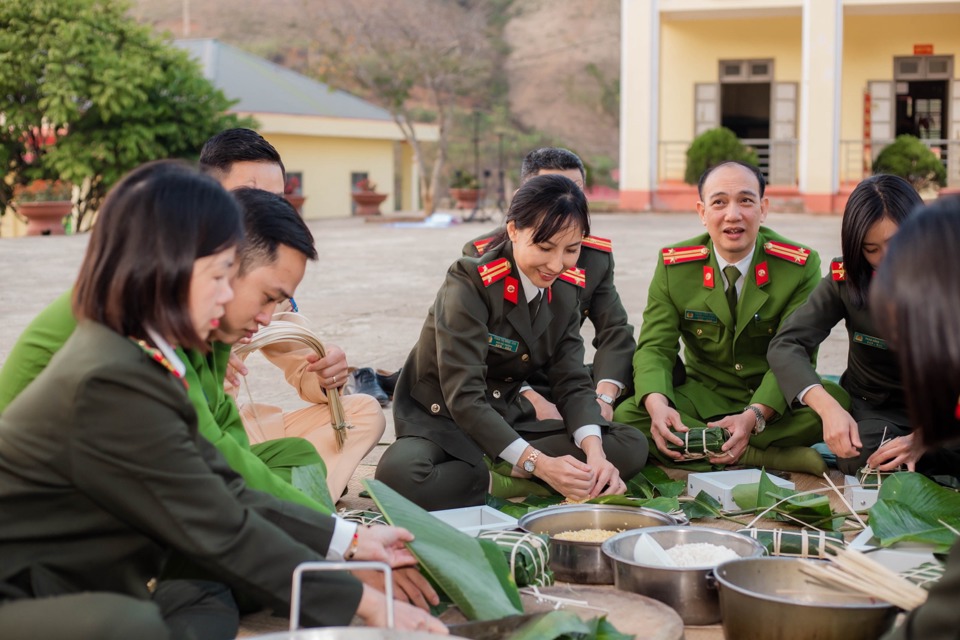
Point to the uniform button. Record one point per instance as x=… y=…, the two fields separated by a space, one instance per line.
x=738 y=367
x=435 y=408
x=751 y=391
x=525 y=357
x=586 y=312
x=508 y=379
x=699 y=332
x=863 y=397
x=496 y=393
x=770 y=330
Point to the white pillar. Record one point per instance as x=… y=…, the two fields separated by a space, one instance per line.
x=639 y=101
x=822 y=64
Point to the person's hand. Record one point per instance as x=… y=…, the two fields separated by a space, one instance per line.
x=384 y=544
x=567 y=475
x=841 y=433
x=373 y=610
x=235 y=369
x=607 y=479
x=895 y=453
x=409 y=585
x=331 y=369
x=664 y=420
x=740 y=427
x=545 y=409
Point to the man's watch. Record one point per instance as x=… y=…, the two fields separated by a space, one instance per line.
x=761 y=423
x=530 y=464
x=605 y=398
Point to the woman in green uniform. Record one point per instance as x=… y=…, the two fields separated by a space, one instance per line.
x=496 y=319
x=916 y=294
x=876 y=209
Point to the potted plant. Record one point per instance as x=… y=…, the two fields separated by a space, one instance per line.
x=293 y=192
x=465 y=189
x=45 y=204
x=366 y=198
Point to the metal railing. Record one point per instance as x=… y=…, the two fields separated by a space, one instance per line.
x=857 y=156
x=777 y=159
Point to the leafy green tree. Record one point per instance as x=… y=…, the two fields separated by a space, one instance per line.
x=714 y=146
x=86 y=94
x=913 y=161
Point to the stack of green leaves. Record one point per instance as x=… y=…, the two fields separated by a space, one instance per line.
x=700 y=442
x=812 y=510
x=912 y=508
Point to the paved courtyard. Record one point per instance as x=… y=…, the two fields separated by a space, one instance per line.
x=373 y=284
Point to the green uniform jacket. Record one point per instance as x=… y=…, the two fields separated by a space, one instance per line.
x=600 y=302
x=103 y=473
x=872 y=374
x=730 y=362
x=460 y=385
x=217 y=415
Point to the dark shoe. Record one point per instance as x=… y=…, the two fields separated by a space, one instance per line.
x=388 y=381
x=365 y=381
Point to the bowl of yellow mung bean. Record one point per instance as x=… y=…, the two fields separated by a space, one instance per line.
x=577 y=531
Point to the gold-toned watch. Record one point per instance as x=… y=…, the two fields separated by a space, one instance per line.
x=530 y=464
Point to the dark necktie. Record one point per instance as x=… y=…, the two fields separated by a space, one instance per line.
x=732 y=274
x=535 y=305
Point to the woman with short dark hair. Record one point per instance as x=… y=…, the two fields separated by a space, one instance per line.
x=916 y=298
x=496 y=319
x=874 y=212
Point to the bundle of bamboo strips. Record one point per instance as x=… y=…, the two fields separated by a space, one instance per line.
x=283 y=331
x=854 y=571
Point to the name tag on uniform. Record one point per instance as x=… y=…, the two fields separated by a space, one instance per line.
x=499 y=342
x=870 y=341
x=700 y=316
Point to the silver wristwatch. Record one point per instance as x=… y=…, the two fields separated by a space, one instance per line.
x=604 y=397
x=761 y=423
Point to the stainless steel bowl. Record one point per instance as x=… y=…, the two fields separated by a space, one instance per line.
x=584 y=562
x=352 y=633
x=689 y=590
x=764 y=598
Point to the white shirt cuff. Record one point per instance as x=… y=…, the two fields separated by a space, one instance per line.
x=586 y=431
x=341 y=539
x=804 y=392
x=525 y=387
x=514 y=450
x=620 y=386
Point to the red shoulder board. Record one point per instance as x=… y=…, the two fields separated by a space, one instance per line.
x=839 y=273
x=598 y=243
x=677 y=255
x=481 y=245
x=494 y=271
x=511 y=287
x=762 y=273
x=708 y=280
x=575 y=276
x=788 y=252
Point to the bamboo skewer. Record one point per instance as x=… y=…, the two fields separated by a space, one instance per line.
x=853 y=570
x=279 y=331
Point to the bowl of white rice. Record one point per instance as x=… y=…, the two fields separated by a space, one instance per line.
x=683 y=579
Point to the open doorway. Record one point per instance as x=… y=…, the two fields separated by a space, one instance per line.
x=922 y=108
x=745 y=109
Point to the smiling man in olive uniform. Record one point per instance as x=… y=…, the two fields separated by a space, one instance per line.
x=725 y=332
x=592 y=278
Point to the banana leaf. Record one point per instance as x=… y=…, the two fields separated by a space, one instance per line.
x=567 y=624
x=803 y=544
x=910 y=507
x=700 y=441
x=311 y=479
x=653 y=480
x=473 y=573
x=812 y=509
x=702 y=506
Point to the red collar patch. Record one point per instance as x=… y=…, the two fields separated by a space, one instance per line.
x=708 y=280
x=762 y=273
x=511 y=288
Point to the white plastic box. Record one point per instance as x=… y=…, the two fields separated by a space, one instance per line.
x=474 y=520
x=720 y=484
x=858 y=497
x=898 y=557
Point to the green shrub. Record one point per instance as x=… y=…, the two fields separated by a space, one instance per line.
x=913 y=161
x=713 y=147
x=464 y=180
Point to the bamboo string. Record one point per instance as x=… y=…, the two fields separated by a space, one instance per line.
x=853 y=570
x=844 y=500
x=279 y=331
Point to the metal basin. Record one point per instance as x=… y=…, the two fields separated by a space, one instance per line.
x=689 y=590
x=584 y=562
x=768 y=598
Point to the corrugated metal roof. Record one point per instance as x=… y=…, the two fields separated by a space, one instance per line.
x=264 y=87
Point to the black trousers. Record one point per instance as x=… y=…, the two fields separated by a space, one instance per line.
x=179 y=609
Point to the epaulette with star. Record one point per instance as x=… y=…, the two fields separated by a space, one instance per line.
x=494 y=271
x=481 y=245
x=575 y=276
x=837 y=271
x=679 y=255
x=788 y=252
x=598 y=243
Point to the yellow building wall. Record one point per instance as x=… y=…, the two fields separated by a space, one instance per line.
x=326 y=165
x=690 y=52
x=870 y=43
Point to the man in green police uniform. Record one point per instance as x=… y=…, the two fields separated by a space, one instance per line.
x=592 y=277
x=725 y=294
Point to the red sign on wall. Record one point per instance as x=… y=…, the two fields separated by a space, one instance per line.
x=923 y=49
